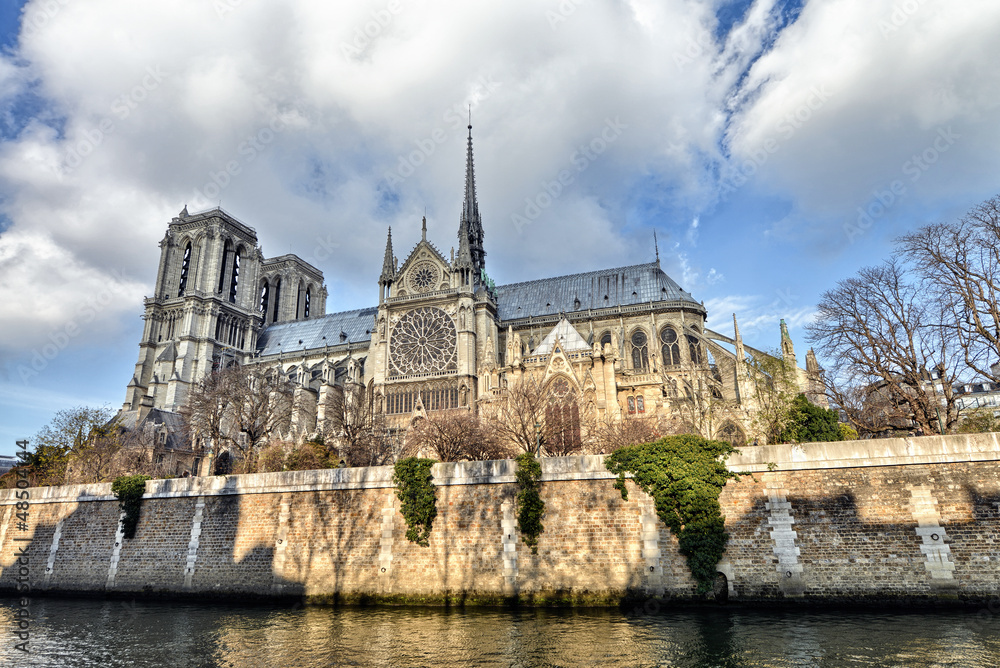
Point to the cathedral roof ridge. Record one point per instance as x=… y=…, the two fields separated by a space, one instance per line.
x=594 y=272
x=592 y=290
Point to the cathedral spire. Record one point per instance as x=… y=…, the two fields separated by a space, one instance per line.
x=470 y=230
x=388 y=268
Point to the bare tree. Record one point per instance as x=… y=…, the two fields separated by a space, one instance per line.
x=243 y=407
x=960 y=265
x=887 y=338
x=772 y=381
x=363 y=434
x=453 y=436
x=612 y=434
x=259 y=404
x=518 y=414
x=204 y=413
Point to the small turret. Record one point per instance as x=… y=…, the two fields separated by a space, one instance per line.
x=388 y=269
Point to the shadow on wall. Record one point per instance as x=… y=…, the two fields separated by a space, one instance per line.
x=853 y=536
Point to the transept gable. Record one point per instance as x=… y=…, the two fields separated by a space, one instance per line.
x=559 y=365
x=425 y=270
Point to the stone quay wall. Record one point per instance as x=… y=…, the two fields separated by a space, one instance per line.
x=893 y=520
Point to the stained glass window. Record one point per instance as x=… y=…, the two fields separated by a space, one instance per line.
x=422 y=342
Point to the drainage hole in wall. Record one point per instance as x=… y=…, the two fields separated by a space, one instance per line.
x=788 y=574
x=934 y=536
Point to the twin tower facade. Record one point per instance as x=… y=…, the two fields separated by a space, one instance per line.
x=618 y=342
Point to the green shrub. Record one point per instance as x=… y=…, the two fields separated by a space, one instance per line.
x=129 y=490
x=530 y=506
x=412 y=477
x=684 y=475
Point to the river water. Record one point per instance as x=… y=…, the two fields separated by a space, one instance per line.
x=70 y=632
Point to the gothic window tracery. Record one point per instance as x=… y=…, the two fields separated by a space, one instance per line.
x=562 y=418
x=423 y=342
x=670 y=349
x=640 y=350
x=695 y=347
x=423 y=277
x=732 y=434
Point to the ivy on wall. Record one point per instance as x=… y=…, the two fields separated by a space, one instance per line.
x=685 y=475
x=530 y=506
x=129 y=489
x=412 y=477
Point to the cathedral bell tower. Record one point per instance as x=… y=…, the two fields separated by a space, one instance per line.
x=203 y=313
x=434 y=319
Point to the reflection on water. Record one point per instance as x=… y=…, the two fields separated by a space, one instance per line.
x=68 y=632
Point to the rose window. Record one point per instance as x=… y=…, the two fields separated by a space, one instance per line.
x=423 y=341
x=423 y=277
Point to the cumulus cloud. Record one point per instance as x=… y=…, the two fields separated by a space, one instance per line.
x=593 y=122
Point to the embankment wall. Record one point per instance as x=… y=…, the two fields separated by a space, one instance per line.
x=914 y=519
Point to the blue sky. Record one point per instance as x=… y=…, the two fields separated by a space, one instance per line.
x=760 y=140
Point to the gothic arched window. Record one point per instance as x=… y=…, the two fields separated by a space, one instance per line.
x=227 y=251
x=671 y=349
x=562 y=419
x=695 y=346
x=605 y=339
x=234 y=276
x=640 y=351
x=732 y=434
x=277 y=300
x=265 y=293
x=185 y=266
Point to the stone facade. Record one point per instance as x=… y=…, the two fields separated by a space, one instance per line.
x=878 y=521
x=617 y=343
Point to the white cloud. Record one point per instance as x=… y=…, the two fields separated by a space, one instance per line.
x=198 y=85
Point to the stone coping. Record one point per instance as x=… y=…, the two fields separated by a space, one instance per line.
x=922 y=450
x=915 y=450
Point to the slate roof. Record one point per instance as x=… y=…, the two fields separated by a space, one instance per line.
x=620 y=286
x=298 y=335
x=636 y=284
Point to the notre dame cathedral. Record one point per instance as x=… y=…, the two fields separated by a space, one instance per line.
x=624 y=341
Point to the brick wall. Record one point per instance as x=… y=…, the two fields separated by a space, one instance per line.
x=910 y=519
